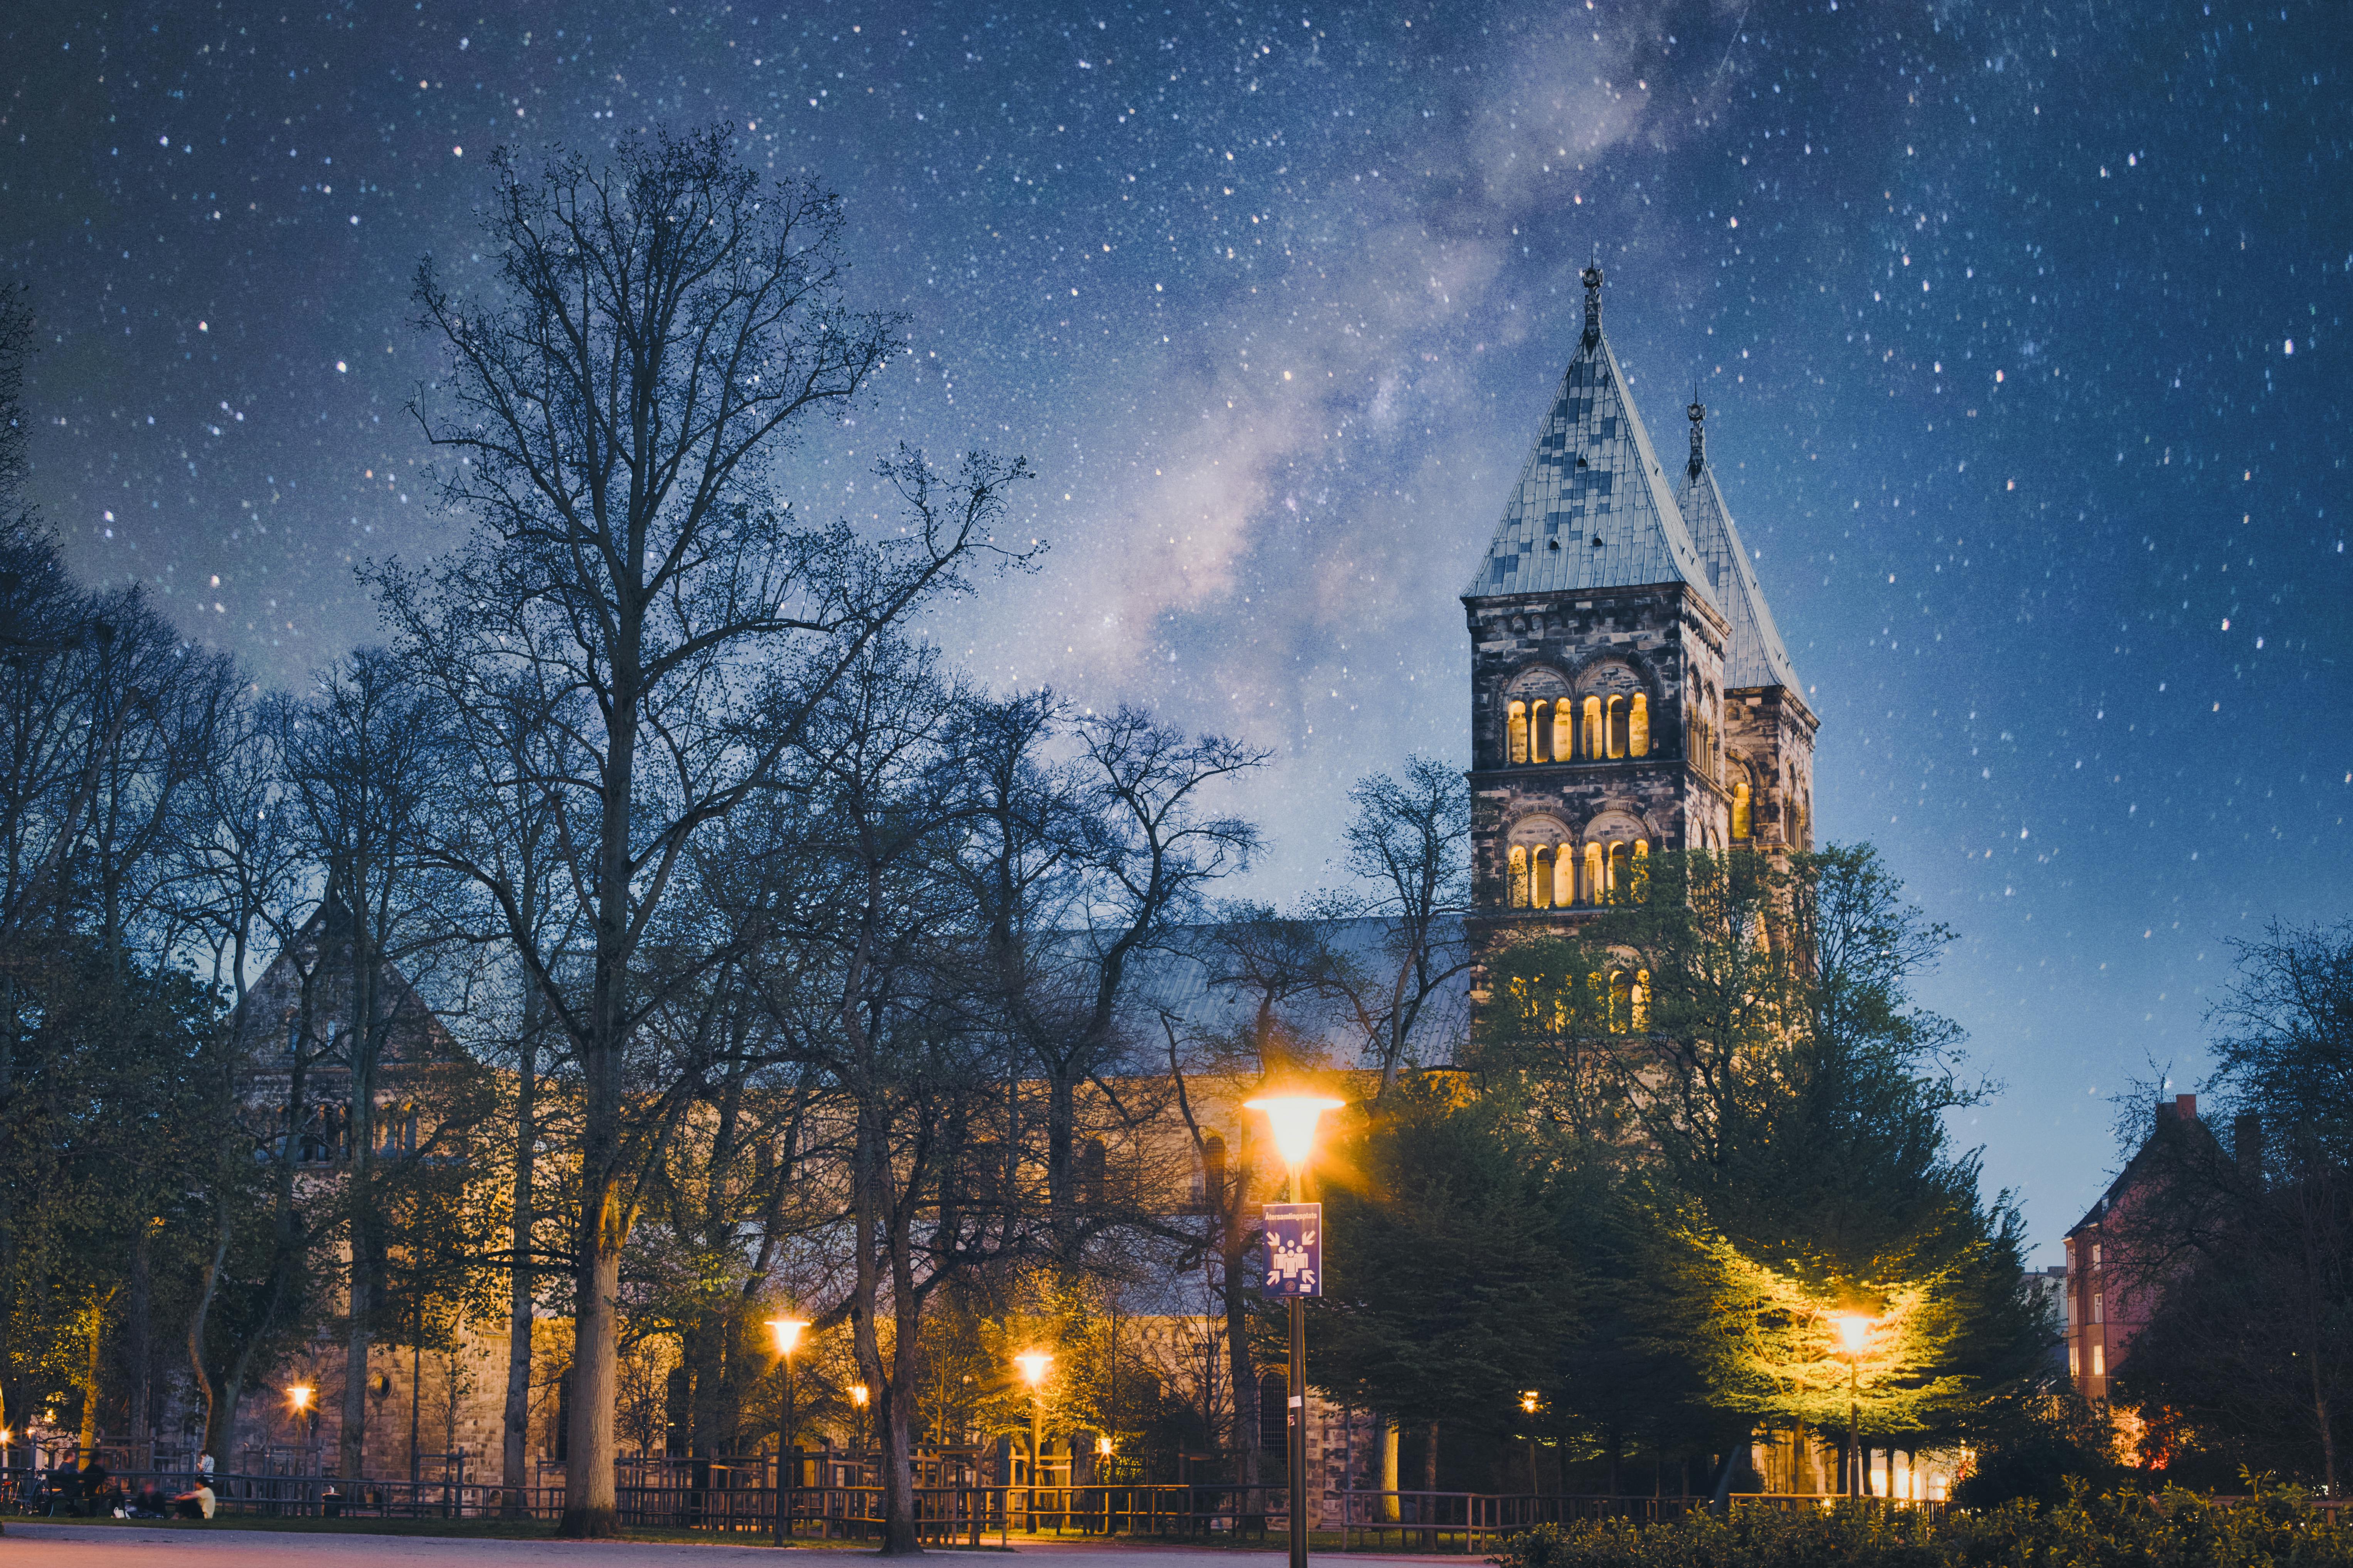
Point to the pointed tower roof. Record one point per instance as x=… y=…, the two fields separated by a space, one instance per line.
x=1756 y=656
x=1593 y=508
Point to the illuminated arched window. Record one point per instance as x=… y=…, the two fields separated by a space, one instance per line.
x=1540 y=877
x=1594 y=749
x=1594 y=884
x=1621 y=883
x=1616 y=726
x=1519 y=727
x=1621 y=1001
x=1642 y=1000
x=1539 y=732
x=1740 y=810
x=1564 y=877
x=1642 y=870
x=1519 y=878
x=1638 y=726
x=1564 y=730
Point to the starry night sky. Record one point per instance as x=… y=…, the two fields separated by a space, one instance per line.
x=2021 y=330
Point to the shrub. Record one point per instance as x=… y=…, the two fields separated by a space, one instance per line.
x=2274 y=1529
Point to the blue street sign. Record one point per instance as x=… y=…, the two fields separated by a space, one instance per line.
x=1295 y=1249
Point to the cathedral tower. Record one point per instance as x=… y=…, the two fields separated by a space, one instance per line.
x=1629 y=693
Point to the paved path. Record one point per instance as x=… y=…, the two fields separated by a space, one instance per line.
x=43 y=1543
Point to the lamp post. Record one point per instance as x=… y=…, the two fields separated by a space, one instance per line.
x=1529 y=1400
x=858 y=1398
x=1854 y=1337
x=1033 y=1365
x=1292 y=1117
x=788 y=1334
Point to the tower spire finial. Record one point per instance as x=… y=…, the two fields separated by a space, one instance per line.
x=1592 y=302
x=1698 y=412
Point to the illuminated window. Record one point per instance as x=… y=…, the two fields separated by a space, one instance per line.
x=1564 y=730
x=1540 y=877
x=1642 y=870
x=2099 y=1361
x=1642 y=1000
x=1740 y=811
x=1519 y=878
x=1519 y=726
x=1638 y=727
x=1564 y=877
x=2096 y=1255
x=1620 y=883
x=1616 y=726
x=1594 y=882
x=1621 y=1001
x=1539 y=730
x=2099 y=1308
x=2074 y=1358
x=1594 y=750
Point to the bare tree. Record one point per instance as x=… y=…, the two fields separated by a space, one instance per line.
x=666 y=326
x=1410 y=839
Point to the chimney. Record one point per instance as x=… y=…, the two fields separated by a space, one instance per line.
x=2185 y=1106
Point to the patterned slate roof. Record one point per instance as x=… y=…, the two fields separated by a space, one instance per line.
x=1756 y=656
x=1593 y=509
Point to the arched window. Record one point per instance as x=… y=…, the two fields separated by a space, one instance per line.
x=1519 y=727
x=1211 y=1179
x=1622 y=882
x=1740 y=810
x=1564 y=877
x=1621 y=1001
x=1540 y=877
x=1595 y=885
x=1564 y=730
x=1617 y=711
x=1642 y=870
x=1539 y=730
x=1638 y=726
x=1092 y=1160
x=1642 y=1000
x=1594 y=749
x=1519 y=877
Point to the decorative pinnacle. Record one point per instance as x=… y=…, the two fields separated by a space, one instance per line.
x=1698 y=412
x=1592 y=302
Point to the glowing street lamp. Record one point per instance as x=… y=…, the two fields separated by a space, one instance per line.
x=788 y=1338
x=1033 y=1365
x=1529 y=1400
x=1292 y=1117
x=1854 y=1338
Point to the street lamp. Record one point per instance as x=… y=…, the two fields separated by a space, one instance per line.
x=789 y=1335
x=1529 y=1399
x=1854 y=1338
x=1033 y=1365
x=1292 y=1118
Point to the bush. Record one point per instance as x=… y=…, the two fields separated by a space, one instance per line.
x=2274 y=1529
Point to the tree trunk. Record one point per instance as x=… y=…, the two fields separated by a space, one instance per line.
x=1390 y=1479
x=1249 y=1456
x=93 y=1373
x=142 y=1326
x=589 y=1505
x=517 y=1423
x=1429 y=1458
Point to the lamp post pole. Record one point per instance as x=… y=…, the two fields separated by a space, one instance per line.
x=788 y=1334
x=1033 y=1365
x=1292 y=1116
x=1854 y=1456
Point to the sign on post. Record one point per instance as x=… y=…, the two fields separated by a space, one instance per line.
x=1295 y=1249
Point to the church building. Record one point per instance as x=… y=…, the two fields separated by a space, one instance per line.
x=1629 y=690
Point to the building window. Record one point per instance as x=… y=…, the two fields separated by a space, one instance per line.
x=1642 y=884
x=1616 y=726
x=1621 y=1001
x=1594 y=750
x=1519 y=878
x=2074 y=1357
x=1564 y=730
x=1596 y=888
x=2096 y=1255
x=2099 y=1361
x=1621 y=884
x=1540 y=877
x=1642 y=1000
x=1638 y=726
x=1518 y=719
x=1564 y=883
x=1740 y=811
